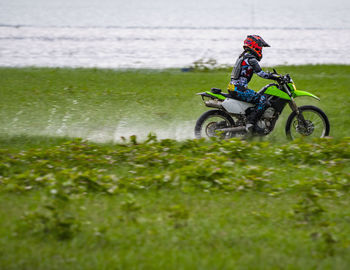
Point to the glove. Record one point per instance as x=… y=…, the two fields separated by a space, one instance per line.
x=275 y=77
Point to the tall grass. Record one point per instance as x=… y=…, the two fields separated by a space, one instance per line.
x=167 y=204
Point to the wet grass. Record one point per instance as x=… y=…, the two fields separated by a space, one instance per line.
x=104 y=105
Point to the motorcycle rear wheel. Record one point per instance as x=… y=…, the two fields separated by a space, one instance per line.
x=210 y=121
x=316 y=126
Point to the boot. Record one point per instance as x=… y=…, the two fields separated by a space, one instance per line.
x=251 y=121
x=251 y=126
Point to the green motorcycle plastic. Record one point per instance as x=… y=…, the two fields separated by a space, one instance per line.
x=229 y=118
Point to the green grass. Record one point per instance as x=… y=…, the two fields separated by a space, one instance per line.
x=167 y=204
x=221 y=231
x=146 y=203
x=104 y=105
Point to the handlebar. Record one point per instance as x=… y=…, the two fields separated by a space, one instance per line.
x=282 y=78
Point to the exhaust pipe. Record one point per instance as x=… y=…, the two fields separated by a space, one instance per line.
x=232 y=129
x=213 y=103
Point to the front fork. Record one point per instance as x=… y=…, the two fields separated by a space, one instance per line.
x=295 y=109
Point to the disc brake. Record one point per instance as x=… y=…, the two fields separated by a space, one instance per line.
x=306 y=128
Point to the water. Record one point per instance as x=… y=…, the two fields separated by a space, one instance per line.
x=164 y=34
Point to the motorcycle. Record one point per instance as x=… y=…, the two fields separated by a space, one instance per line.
x=229 y=118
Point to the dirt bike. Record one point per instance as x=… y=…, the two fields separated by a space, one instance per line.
x=229 y=118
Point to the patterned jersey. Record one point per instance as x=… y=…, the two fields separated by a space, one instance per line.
x=246 y=65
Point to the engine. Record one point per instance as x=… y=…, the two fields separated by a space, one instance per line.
x=269 y=113
x=267 y=120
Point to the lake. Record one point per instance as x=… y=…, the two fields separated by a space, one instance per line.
x=167 y=34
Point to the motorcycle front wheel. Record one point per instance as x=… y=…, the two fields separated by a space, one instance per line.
x=209 y=122
x=315 y=124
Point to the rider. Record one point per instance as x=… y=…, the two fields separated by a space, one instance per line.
x=246 y=65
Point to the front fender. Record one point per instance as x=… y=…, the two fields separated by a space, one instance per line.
x=300 y=93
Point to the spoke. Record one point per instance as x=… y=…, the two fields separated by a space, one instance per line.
x=315 y=123
x=318 y=124
x=209 y=126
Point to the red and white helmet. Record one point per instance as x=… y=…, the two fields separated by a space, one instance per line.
x=255 y=43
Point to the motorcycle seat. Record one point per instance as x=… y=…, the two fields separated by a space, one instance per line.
x=219 y=91
x=216 y=90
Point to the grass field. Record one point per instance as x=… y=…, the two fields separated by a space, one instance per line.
x=103 y=105
x=151 y=203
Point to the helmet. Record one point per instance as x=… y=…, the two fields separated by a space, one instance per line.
x=255 y=43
